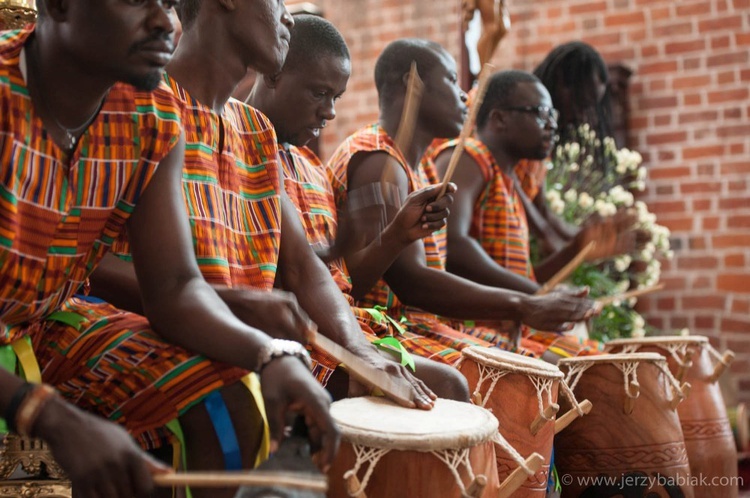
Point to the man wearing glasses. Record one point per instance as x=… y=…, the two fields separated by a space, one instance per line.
x=488 y=231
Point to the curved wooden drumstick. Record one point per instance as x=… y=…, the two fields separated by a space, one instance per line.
x=468 y=127
x=566 y=270
x=606 y=300
x=296 y=480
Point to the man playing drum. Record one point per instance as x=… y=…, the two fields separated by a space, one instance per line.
x=80 y=155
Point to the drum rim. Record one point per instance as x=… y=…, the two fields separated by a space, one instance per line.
x=422 y=442
x=610 y=358
x=656 y=340
x=540 y=367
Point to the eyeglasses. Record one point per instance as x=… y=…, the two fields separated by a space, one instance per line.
x=543 y=113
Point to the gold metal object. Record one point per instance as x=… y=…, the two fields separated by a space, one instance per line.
x=46 y=478
x=16 y=14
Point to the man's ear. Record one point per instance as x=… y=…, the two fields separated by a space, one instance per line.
x=228 y=4
x=56 y=9
x=497 y=119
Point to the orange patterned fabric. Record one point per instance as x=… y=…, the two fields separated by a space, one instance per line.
x=449 y=334
x=232 y=192
x=58 y=215
x=310 y=190
x=499 y=219
x=374 y=139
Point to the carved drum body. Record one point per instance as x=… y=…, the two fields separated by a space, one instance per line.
x=631 y=443
x=703 y=415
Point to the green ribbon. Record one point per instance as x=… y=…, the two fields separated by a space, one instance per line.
x=393 y=345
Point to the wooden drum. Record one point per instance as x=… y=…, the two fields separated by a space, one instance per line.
x=631 y=443
x=522 y=393
x=388 y=451
x=703 y=416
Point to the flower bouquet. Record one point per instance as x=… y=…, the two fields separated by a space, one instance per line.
x=589 y=176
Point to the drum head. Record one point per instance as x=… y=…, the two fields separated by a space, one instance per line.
x=379 y=423
x=505 y=360
x=658 y=340
x=611 y=358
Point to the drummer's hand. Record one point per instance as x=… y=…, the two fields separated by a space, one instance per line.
x=277 y=313
x=100 y=458
x=421 y=395
x=559 y=309
x=288 y=386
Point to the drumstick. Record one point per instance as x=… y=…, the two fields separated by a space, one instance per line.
x=296 y=480
x=518 y=476
x=414 y=89
x=361 y=370
x=405 y=132
x=484 y=80
x=566 y=270
x=607 y=300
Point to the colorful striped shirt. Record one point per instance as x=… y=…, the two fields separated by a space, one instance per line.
x=59 y=215
x=373 y=138
x=499 y=221
x=232 y=191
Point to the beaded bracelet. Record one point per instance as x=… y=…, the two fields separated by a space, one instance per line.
x=32 y=407
x=15 y=403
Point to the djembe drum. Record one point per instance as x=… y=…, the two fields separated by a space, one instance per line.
x=703 y=415
x=389 y=451
x=631 y=443
x=522 y=394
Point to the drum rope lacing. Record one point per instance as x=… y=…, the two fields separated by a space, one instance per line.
x=453 y=458
x=678 y=351
x=541 y=384
x=629 y=370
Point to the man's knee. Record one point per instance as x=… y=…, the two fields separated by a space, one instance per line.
x=444 y=380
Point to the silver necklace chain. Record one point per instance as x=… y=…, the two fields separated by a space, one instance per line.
x=70 y=133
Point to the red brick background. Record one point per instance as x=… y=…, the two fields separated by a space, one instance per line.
x=690 y=119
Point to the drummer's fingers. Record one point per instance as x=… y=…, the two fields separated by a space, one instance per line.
x=324 y=434
x=425 y=397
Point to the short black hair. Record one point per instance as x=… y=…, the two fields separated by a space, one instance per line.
x=187 y=11
x=396 y=60
x=313 y=37
x=500 y=91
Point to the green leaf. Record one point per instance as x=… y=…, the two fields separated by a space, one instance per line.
x=392 y=344
x=376 y=314
x=396 y=325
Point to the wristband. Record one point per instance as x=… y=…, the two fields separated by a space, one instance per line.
x=15 y=403
x=32 y=407
x=281 y=347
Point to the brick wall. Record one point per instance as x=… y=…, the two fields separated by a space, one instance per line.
x=690 y=119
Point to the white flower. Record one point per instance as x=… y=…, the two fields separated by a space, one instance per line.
x=557 y=206
x=571 y=195
x=585 y=200
x=638 y=333
x=573 y=151
x=685 y=332
x=622 y=262
x=552 y=196
x=605 y=208
x=639 y=322
x=669 y=254
x=632 y=302
x=573 y=167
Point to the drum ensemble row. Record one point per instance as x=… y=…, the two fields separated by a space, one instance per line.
x=647 y=419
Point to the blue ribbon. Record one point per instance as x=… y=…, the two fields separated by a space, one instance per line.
x=222 y=422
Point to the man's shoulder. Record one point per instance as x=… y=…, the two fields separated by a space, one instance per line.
x=11 y=43
x=159 y=103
